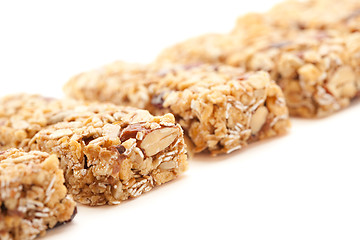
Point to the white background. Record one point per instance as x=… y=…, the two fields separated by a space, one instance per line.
x=304 y=185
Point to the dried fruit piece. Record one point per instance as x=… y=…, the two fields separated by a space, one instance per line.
x=131 y=131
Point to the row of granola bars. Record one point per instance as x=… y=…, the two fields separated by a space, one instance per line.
x=216 y=92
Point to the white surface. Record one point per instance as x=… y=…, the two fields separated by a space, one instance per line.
x=304 y=185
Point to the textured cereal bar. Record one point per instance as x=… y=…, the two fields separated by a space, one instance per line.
x=297 y=15
x=33 y=197
x=316 y=14
x=106 y=81
x=207 y=48
x=108 y=153
x=23 y=115
x=220 y=108
x=310 y=48
x=318 y=70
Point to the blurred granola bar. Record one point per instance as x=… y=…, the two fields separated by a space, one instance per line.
x=33 y=197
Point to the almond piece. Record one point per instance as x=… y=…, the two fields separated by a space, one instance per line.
x=167 y=165
x=158 y=140
x=258 y=119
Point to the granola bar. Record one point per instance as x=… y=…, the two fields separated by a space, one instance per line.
x=106 y=80
x=221 y=108
x=316 y=14
x=207 y=48
x=296 y=15
x=108 y=153
x=23 y=115
x=33 y=197
x=318 y=70
x=310 y=48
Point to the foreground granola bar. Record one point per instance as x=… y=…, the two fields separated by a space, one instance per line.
x=33 y=197
x=108 y=153
x=220 y=108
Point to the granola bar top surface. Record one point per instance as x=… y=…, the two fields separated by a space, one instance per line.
x=207 y=48
x=33 y=196
x=112 y=156
x=108 y=153
x=221 y=108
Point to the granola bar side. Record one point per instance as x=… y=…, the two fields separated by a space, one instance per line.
x=33 y=197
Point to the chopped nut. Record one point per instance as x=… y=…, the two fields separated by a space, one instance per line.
x=258 y=82
x=59 y=116
x=117 y=190
x=111 y=130
x=167 y=165
x=288 y=64
x=341 y=78
x=258 y=119
x=309 y=73
x=158 y=140
x=61 y=133
x=262 y=62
